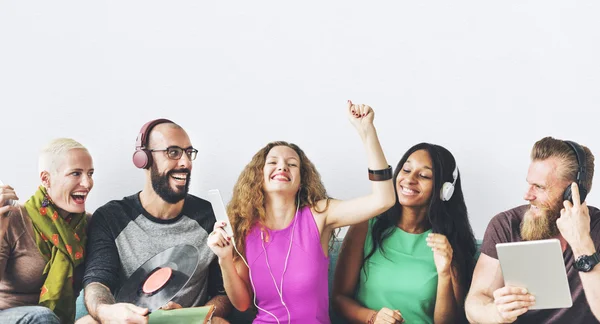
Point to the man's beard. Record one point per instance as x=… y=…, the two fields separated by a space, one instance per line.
x=160 y=184
x=541 y=227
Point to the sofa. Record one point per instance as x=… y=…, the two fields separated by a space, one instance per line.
x=246 y=317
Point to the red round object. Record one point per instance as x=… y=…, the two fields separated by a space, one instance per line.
x=157 y=280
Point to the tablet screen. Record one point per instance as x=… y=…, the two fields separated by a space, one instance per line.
x=539 y=267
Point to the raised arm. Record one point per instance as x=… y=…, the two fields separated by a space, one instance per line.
x=347 y=273
x=236 y=279
x=590 y=280
x=574 y=226
x=449 y=296
x=354 y=211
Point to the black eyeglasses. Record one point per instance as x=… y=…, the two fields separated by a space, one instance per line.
x=175 y=152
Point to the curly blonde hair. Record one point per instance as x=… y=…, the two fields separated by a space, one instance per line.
x=247 y=206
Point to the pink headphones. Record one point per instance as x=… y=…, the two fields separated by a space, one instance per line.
x=142 y=158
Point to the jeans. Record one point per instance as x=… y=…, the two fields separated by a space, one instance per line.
x=28 y=315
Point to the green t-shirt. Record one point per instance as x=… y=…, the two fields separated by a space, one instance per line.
x=404 y=278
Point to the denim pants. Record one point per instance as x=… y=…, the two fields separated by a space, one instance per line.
x=28 y=315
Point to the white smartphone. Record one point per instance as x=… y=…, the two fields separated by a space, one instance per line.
x=10 y=201
x=214 y=196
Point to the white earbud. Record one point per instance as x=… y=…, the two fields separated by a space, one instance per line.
x=448 y=188
x=252 y=282
x=277 y=288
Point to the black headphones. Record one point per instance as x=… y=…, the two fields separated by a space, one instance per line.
x=581 y=173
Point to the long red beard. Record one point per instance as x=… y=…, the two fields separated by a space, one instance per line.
x=540 y=227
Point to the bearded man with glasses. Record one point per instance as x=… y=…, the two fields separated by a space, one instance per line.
x=123 y=234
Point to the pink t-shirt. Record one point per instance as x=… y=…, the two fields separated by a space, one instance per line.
x=305 y=291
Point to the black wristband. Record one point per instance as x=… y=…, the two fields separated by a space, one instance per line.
x=381 y=175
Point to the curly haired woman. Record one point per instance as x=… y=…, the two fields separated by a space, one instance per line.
x=283 y=220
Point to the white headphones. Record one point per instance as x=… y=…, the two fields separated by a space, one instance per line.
x=448 y=188
x=278 y=288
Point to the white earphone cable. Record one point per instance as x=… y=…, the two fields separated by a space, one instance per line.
x=279 y=292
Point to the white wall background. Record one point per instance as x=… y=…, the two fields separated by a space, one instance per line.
x=485 y=79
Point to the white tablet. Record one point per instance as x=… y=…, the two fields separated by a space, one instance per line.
x=539 y=267
x=214 y=196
